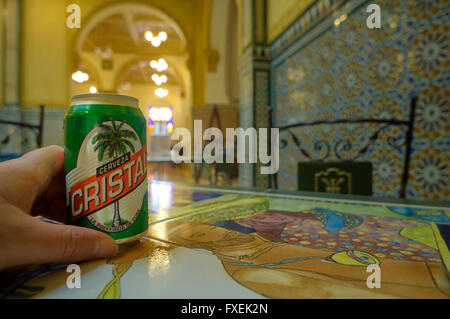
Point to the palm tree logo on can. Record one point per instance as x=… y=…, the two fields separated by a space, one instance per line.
x=115 y=141
x=108 y=188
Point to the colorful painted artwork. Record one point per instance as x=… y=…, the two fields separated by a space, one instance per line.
x=220 y=243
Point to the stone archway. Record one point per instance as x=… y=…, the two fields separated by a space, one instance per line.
x=131 y=16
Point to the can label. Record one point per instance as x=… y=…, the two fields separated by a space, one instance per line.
x=108 y=186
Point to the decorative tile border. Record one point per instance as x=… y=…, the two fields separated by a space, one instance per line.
x=304 y=23
x=261 y=97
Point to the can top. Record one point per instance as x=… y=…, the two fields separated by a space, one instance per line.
x=105 y=98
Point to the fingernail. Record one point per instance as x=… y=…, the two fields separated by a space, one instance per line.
x=105 y=247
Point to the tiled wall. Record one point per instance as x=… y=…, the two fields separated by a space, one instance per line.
x=350 y=71
x=23 y=140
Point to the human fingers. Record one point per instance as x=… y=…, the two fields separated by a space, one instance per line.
x=26 y=178
x=52 y=209
x=55 y=189
x=27 y=240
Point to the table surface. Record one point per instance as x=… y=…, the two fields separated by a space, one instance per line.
x=213 y=242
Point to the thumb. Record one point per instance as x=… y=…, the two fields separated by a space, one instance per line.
x=43 y=242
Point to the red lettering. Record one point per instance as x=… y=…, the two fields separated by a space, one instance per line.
x=94 y=192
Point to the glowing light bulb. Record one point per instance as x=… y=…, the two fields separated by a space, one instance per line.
x=162 y=36
x=159 y=79
x=93 y=89
x=162 y=63
x=159 y=65
x=156 y=79
x=160 y=92
x=80 y=77
x=148 y=36
x=156 y=42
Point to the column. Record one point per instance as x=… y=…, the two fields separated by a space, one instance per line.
x=254 y=82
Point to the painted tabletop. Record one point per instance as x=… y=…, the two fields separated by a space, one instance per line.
x=208 y=242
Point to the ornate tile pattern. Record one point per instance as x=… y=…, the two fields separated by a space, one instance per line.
x=261 y=117
x=317 y=11
x=350 y=71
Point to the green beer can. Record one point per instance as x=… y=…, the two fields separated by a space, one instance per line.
x=105 y=165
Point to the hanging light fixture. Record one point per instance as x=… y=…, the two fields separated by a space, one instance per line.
x=160 y=92
x=148 y=36
x=80 y=77
x=163 y=36
x=155 y=41
x=159 y=79
x=159 y=65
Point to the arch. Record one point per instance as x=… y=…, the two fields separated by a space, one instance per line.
x=181 y=67
x=94 y=72
x=119 y=8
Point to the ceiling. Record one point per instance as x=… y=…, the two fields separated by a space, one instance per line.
x=124 y=33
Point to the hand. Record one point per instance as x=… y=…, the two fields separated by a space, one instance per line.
x=34 y=185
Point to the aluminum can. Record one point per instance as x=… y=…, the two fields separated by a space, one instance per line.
x=106 y=165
